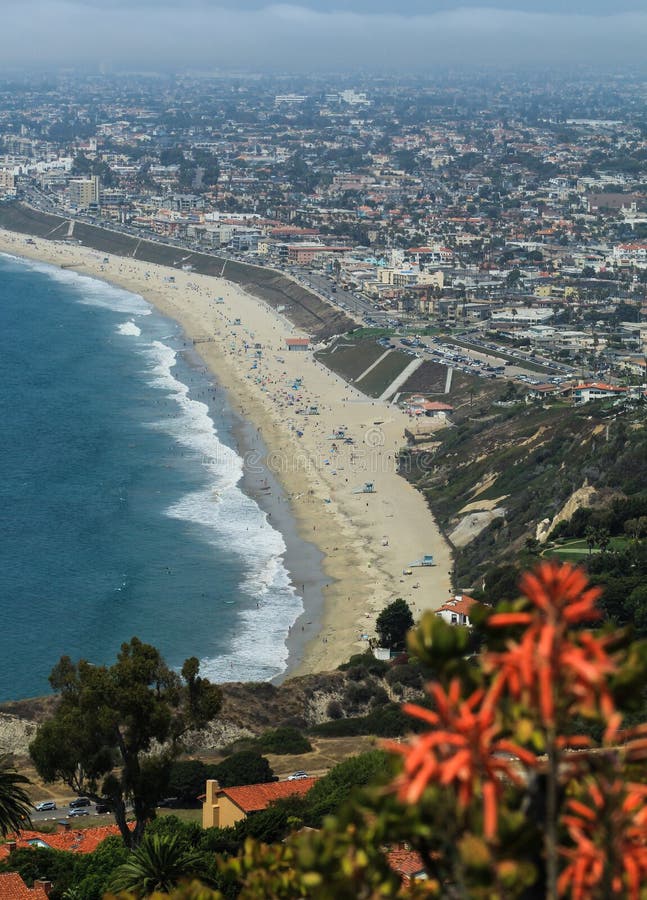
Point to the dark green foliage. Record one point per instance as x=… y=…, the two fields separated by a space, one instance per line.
x=393 y=623
x=365 y=662
x=502 y=583
x=88 y=873
x=329 y=792
x=623 y=575
x=334 y=710
x=358 y=695
x=246 y=767
x=100 y=738
x=160 y=863
x=186 y=780
x=387 y=721
x=407 y=674
x=284 y=740
x=15 y=805
x=273 y=823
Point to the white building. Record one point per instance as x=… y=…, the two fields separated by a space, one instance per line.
x=457 y=610
x=522 y=315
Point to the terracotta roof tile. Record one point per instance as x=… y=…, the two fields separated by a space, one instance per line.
x=461 y=604
x=79 y=840
x=252 y=797
x=405 y=862
x=12 y=887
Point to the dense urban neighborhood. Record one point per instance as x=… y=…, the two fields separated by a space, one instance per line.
x=516 y=208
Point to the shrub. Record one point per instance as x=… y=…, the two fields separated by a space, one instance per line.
x=284 y=740
x=367 y=661
x=407 y=675
x=334 y=710
x=358 y=695
x=246 y=767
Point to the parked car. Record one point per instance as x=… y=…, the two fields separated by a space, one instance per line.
x=102 y=808
x=45 y=804
x=79 y=803
x=73 y=813
x=297 y=776
x=170 y=802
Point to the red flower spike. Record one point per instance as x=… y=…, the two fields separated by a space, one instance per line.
x=464 y=750
x=608 y=830
x=549 y=667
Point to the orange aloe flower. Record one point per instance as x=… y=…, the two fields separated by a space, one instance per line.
x=550 y=663
x=464 y=749
x=608 y=827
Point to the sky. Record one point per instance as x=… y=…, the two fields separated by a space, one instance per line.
x=320 y=34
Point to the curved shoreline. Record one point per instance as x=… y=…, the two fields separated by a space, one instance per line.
x=367 y=540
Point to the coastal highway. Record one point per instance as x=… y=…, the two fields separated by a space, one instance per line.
x=352 y=302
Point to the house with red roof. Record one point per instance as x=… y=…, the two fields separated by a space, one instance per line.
x=407 y=864
x=12 y=887
x=74 y=840
x=297 y=343
x=457 y=611
x=597 y=390
x=223 y=807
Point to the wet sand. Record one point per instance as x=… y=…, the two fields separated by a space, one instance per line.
x=367 y=540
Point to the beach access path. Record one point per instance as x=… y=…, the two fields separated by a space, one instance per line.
x=325 y=441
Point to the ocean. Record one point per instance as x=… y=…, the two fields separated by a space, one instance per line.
x=121 y=511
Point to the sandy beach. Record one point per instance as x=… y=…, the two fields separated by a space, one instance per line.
x=307 y=418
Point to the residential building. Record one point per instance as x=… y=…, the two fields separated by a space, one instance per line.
x=585 y=393
x=84 y=192
x=12 y=887
x=457 y=611
x=223 y=807
x=7 y=183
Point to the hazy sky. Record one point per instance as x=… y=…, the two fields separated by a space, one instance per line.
x=321 y=34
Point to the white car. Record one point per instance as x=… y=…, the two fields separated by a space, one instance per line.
x=297 y=776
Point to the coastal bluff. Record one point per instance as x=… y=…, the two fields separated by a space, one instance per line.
x=249 y=708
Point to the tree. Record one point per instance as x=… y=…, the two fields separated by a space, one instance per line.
x=103 y=738
x=393 y=623
x=15 y=805
x=246 y=767
x=187 y=778
x=160 y=863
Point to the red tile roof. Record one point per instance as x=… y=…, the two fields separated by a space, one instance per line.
x=431 y=405
x=84 y=840
x=12 y=887
x=600 y=386
x=460 y=604
x=407 y=863
x=252 y=797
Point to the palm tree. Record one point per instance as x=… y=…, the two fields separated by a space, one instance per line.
x=15 y=805
x=159 y=864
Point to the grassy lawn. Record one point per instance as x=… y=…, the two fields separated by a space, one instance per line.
x=578 y=549
x=377 y=381
x=350 y=356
